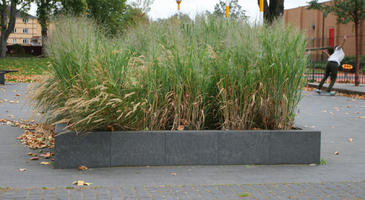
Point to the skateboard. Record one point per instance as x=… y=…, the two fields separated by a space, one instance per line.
x=324 y=93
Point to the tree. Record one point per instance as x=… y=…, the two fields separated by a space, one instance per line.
x=8 y=14
x=107 y=13
x=235 y=10
x=346 y=11
x=273 y=10
x=45 y=9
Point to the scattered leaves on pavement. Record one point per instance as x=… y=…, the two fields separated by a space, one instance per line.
x=38 y=137
x=83 y=168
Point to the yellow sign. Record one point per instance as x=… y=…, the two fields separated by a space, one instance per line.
x=347 y=66
x=227 y=11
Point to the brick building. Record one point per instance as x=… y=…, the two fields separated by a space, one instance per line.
x=324 y=31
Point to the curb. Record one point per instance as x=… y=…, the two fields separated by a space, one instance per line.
x=346 y=91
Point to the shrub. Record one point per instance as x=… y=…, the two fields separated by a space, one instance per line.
x=211 y=73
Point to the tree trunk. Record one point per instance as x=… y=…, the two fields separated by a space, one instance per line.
x=357 y=41
x=44 y=38
x=273 y=10
x=5 y=31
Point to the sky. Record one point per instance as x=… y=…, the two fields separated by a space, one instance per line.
x=166 y=8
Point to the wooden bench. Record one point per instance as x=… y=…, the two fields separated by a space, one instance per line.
x=2 y=75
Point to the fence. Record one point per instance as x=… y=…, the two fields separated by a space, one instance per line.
x=315 y=70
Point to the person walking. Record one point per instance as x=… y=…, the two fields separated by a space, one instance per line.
x=335 y=56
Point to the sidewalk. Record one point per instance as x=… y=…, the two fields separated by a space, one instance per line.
x=348 y=88
x=338 y=117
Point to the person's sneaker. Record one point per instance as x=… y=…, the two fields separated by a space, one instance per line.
x=317 y=90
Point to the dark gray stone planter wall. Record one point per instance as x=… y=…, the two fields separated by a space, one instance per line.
x=108 y=149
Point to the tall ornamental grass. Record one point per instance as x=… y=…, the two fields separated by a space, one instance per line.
x=211 y=73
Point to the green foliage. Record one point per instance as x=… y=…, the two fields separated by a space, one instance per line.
x=345 y=10
x=323 y=162
x=352 y=61
x=235 y=10
x=211 y=73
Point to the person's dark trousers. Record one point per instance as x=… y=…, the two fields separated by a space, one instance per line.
x=331 y=70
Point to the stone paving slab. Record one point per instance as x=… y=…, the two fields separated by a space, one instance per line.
x=342 y=177
x=313 y=191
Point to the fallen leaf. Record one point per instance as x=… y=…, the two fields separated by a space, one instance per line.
x=17 y=95
x=81 y=183
x=46 y=155
x=337 y=153
x=30 y=153
x=83 y=168
x=357 y=112
x=350 y=139
x=173 y=174
x=34 y=158
x=45 y=163
x=22 y=169
x=11 y=101
x=180 y=127
x=348 y=106
x=362 y=117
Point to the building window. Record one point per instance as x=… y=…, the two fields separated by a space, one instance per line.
x=25 y=20
x=14 y=41
x=25 y=41
x=25 y=30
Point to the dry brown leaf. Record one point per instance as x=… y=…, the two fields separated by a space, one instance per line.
x=17 y=95
x=357 y=112
x=83 y=168
x=45 y=163
x=11 y=101
x=46 y=155
x=22 y=169
x=350 y=139
x=34 y=158
x=337 y=153
x=362 y=117
x=173 y=174
x=180 y=127
x=81 y=183
x=30 y=153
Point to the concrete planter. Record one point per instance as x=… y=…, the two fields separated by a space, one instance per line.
x=214 y=147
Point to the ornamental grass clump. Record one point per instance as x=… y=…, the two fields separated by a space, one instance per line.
x=210 y=73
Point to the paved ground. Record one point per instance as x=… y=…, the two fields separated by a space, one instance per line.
x=338 y=117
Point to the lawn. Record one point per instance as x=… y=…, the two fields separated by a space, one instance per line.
x=30 y=68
